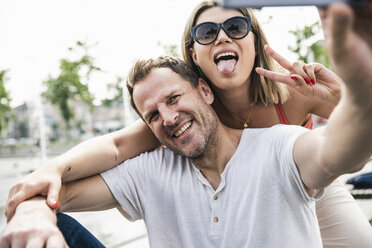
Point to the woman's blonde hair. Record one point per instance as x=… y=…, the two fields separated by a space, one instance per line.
x=261 y=90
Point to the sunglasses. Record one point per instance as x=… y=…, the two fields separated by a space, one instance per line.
x=236 y=27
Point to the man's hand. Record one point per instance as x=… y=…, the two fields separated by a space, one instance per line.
x=45 y=181
x=344 y=145
x=33 y=225
x=349 y=41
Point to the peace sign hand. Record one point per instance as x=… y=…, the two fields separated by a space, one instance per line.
x=311 y=80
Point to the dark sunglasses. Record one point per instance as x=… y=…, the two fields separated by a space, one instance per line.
x=236 y=27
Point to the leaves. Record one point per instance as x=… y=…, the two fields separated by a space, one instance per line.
x=117 y=90
x=307 y=48
x=68 y=85
x=5 y=109
x=170 y=50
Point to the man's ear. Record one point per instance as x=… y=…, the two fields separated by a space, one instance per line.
x=193 y=56
x=206 y=91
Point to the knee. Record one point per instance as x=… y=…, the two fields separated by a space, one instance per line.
x=64 y=221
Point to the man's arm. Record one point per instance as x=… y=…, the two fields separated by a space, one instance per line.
x=89 y=194
x=34 y=223
x=345 y=144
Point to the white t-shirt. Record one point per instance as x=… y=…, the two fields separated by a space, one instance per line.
x=260 y=202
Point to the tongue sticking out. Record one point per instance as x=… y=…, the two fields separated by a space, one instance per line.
x=226 y=66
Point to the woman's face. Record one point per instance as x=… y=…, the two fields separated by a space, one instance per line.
x=230 y=71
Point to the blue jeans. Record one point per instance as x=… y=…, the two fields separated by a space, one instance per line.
x=75 y=234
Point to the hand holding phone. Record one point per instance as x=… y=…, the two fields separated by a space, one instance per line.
x=273 y=3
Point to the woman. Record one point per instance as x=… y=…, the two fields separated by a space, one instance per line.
x=243 y=98
x=227 y=58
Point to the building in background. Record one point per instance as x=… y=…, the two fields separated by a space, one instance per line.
x=24 y=128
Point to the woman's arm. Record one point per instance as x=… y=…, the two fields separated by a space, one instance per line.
x=87 y=158
x=105 y=152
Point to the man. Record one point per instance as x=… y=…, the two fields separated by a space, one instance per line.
x=200 y=202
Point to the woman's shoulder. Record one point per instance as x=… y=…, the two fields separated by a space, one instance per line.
x=297 y=107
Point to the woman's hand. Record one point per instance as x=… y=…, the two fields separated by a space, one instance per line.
x=45 y=181
x=311 y=80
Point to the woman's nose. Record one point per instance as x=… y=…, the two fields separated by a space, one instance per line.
x=222 y=37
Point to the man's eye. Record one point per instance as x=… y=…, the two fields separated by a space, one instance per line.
x=173 y=98
x=153 y=116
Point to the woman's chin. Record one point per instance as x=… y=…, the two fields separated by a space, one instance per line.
x=229 y=83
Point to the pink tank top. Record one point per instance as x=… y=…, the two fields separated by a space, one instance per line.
x=284 y=120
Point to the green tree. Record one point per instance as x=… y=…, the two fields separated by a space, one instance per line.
x=56 y=133
x=307 y=48
x=170 y=50
x=71 y=83
x=5 y=109
x=116 y=89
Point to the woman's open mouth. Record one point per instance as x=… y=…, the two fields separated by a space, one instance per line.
x=226 y=62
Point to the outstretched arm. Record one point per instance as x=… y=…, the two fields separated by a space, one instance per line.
x=345 y=144
x=88 y=158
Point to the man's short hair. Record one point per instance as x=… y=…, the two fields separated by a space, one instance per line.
x=142 y=68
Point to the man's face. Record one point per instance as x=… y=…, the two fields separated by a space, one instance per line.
x=179 y=115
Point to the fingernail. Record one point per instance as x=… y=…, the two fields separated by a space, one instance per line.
x=307 y=80
x=55 y=204
x=312 y=81
x=294 y=78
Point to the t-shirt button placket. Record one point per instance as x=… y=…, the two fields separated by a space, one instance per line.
x=215 y=224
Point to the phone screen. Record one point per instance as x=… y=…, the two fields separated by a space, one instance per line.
x=273 y=3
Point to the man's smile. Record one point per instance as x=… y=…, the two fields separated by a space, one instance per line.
x=183 y=129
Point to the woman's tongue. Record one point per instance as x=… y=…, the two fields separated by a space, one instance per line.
x=226 y=66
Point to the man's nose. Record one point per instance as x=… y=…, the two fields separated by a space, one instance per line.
x=170 y=116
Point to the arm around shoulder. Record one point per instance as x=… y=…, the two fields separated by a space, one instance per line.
x=88 y=158
x=105 y=152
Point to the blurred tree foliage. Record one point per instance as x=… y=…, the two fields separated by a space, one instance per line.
x=306 y=48
x=71 y=83
x=170 y=50
x=5 y=109
x=116 y=88
x=117 y=91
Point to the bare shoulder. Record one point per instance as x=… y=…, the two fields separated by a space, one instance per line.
x=297 y=107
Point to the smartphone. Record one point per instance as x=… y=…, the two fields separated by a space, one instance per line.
x=277 y=3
